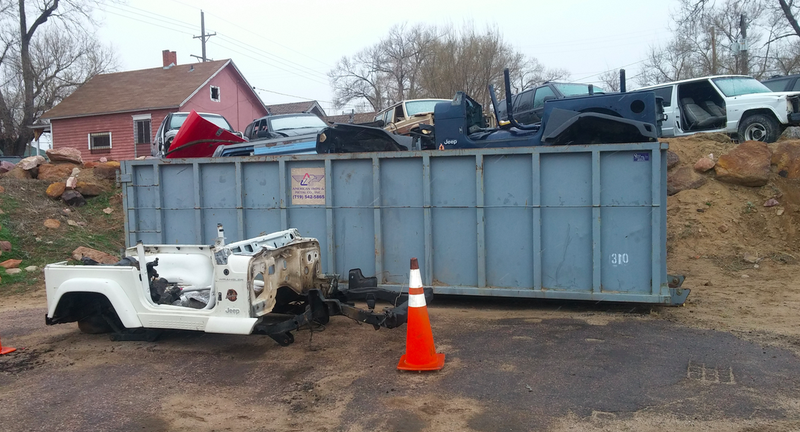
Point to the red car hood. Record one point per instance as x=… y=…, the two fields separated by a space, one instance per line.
x=198 y=137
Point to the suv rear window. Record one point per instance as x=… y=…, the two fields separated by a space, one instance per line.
x=664 y=93
x=570 y=89
x=777 y=85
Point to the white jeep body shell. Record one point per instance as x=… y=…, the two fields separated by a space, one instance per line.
x=242 y=279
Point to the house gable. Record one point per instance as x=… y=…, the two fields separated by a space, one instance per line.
x=235 y=99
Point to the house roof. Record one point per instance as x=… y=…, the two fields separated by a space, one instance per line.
x=294 y=107
x=138 y=90
x=357 y=118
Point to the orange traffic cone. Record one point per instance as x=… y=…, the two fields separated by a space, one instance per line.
x=420 y=353
x=6 y=350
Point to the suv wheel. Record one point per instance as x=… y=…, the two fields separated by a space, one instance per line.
x=758 y=127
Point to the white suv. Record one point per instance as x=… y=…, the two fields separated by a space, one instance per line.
x=732 y=104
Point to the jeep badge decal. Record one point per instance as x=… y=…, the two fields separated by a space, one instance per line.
x=231 y=295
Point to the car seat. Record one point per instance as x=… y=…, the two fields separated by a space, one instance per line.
x=697 y=117
x=714 y=109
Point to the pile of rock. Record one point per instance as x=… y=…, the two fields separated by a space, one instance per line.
x=748 y=164
x=64 y=170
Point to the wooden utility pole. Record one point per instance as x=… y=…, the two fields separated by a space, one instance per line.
x=743 y=46
x=203 y=37
x=713 y=51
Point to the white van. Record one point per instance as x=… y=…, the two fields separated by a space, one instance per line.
x=737 y=105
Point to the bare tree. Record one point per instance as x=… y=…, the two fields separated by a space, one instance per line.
x=610 y=80
x=404 y=51
x=705 y=41
x=386 y=72
x=359 y=77
x=426 y=61
x=43 y=60
x=532 y=73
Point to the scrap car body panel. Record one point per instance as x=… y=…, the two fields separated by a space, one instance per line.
x=581 y=222
x=270 y=284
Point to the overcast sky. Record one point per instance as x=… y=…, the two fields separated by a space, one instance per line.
x=285 y=48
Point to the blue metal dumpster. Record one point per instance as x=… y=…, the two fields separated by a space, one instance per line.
x=562 y=222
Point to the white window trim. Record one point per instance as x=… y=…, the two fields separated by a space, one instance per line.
x=211 y=92
x=140 y=117
x=89 y=138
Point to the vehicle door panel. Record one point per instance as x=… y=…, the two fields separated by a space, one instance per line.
x=523 y=107
x=542 y=94
x=671 y=124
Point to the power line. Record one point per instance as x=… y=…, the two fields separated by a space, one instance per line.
x=600 y=73
x=600 y=39
x=275 y=58
x=296 y=72
x=168 y=20
x=257 y=34
x=169 y=23
x=147 y=22
x=330 y=104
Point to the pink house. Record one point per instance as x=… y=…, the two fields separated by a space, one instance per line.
x=116 y=115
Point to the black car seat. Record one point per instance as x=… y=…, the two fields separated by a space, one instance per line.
x=697 y=117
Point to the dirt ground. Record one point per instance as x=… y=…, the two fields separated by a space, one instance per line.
x=714 y=229
x=728 y=360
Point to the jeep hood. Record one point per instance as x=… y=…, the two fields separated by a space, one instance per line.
x=765 y=96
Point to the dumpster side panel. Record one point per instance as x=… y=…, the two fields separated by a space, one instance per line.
x=569 y=222
x=261 y=198
x=402 y=227
x=353 y=218
x=453 y=198
x=509 y=220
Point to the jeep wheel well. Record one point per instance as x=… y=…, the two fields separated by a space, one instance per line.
x=762 y=111
x=288 y=300
x=75 y=306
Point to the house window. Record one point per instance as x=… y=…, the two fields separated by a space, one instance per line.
x=100 y=142
x=215 y=93
x=141 y=129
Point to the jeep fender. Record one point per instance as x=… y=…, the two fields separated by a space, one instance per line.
x=110 y=289
x=766 y=110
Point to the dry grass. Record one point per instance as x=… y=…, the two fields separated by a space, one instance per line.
x=25 y=207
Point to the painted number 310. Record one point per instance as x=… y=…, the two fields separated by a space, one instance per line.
x=618 y=259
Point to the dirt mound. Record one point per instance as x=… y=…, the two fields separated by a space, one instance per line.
x=724 y=221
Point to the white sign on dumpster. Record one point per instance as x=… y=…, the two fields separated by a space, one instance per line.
x=308 y=186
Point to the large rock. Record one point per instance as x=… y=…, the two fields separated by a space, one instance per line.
x=6 y=166
x=107 y=170
x=52 y=223
x=73 y=198
x=65 y=154
x=18 y=173
x=704 y=164
x=55 y=190
x=88 y=189
x=684 y=178
x=792 y=132
x=31 y=162
x=747 y=165
x=51 y=172
x=672 y=159
x=10 y=263
x=101 y=257
x=786 y=159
